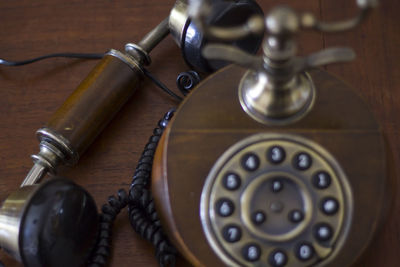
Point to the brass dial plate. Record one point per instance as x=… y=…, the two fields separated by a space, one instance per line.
x=275 y=200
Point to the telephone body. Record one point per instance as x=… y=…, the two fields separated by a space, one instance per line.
x=273 y=162
x=233 y=191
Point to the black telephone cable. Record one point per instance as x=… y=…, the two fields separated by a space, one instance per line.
x=142 y=214
x=147 y=73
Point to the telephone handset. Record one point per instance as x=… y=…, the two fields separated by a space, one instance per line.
x=269 y=165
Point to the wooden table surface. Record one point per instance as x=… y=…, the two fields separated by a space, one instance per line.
x=30 y=94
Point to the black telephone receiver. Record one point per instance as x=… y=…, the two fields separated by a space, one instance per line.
x=273 y=162
x=56 y=223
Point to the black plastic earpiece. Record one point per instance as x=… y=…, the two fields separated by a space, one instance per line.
x=51 y=224
x=224 y=13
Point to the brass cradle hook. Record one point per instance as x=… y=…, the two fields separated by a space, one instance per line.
x=276 y=89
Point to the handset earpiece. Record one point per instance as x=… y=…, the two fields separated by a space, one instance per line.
x=51 y=224
x=224 y=13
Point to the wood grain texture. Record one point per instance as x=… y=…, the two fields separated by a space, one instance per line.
x=30 y=94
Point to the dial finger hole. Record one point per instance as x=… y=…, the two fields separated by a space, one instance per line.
x=278 y=258
x=225 y=207
x=323 y=232
x=304 y=251
x=329 y=206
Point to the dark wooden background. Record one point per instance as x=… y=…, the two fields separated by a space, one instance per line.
x=30 y=94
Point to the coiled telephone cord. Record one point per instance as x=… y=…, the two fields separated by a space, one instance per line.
x=142 y=214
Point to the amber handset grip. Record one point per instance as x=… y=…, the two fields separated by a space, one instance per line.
x=86 y=112
x=96 y=100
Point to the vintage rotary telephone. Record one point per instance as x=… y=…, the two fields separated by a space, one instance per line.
x=55 y=223
x=272 y=162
